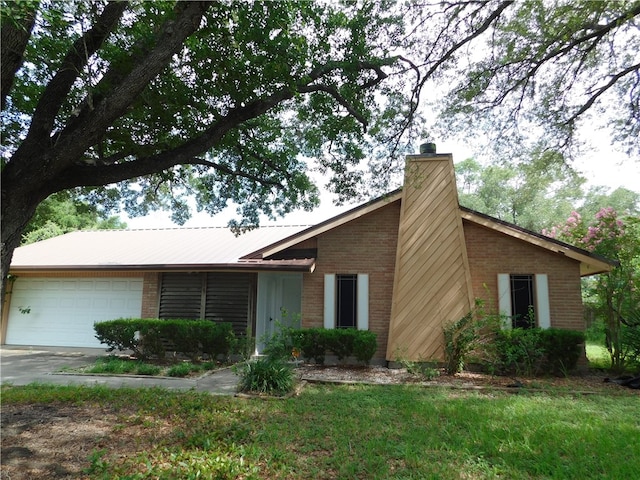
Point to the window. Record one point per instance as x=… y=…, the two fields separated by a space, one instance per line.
x=523 y=310
x=524 y=300
x=346 y=301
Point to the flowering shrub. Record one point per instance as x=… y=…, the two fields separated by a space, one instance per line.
x=615 y=297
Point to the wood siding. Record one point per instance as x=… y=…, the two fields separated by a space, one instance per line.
x=432 y=284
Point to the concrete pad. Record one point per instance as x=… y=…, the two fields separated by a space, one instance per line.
x=24 y=365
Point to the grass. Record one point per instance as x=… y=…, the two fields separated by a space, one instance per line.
x=123 y=366
x=370 y=432
x=598 y=355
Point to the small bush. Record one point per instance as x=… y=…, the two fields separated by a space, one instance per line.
x=469 y=336
x=181 y=369
x=118 y=334
x=266 y=376
x=421 y=368
x=365 y=345
x=537 y=351
x=562 y=349
x=519 y=351
x=314 y=343
x=147 y=369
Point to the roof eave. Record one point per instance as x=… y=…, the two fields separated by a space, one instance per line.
x=327 y=225
x=590 y=264
x=301 y=265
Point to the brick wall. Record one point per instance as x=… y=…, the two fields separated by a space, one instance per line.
x=365 y=245
x=491 y=253
x=150 y=295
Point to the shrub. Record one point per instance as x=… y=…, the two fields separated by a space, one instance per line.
x=147 y=337
x=536 y=351
x=519 y=351
x=281 y=343
x=217 y=339
x=181 y=369
x=313 y=344
x=268 y=376
x=118 y=334
x=469 y=336
x=421 y=368
x=631 y=344
x=561 y=350
x=365 y=345
x=340 y=342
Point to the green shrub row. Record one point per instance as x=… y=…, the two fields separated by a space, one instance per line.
x=537 y=351
x=150 y=337
x=314 y=343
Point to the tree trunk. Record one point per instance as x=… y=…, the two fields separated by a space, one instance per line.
x=19 y=203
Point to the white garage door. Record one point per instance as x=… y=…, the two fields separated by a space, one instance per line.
x=62 y=311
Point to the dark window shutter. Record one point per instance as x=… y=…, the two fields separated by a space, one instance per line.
x=229 y=297
x=180 y=295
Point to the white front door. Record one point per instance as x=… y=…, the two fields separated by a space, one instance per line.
x=279 y=304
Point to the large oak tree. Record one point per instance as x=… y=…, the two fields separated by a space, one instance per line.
x=143 y=104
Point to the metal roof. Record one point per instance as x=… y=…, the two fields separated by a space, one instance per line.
x=216 y=247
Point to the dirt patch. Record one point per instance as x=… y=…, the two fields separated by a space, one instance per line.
x=588 y=383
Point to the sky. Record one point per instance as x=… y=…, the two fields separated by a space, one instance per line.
x=604 y=167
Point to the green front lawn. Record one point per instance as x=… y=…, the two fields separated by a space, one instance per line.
x=353 y=432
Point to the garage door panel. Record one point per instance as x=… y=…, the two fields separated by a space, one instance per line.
x=63 y=311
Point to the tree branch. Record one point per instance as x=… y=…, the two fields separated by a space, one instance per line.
x=77 y=137
x=331 y=90
x=17 y=24
x=74 y=62
x=601 y=90
x=185 y=154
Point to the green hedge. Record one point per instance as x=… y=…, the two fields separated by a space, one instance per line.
x=149 y=337
x=314 y=343
x=537 y=351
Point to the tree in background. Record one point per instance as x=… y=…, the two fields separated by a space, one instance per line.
x=533 y=195
x=62 y=213
x=615 y=296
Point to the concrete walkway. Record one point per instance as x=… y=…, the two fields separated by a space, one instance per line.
x=23 y=365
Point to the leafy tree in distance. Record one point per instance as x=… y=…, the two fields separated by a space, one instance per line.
x=61 y=213
x=533 y=195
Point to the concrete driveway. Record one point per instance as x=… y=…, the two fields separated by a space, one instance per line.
x=23 y=365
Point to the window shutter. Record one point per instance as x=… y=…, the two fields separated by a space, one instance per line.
x=504 y=299
x=329 y=301
x=543 y=311
x=363 y=301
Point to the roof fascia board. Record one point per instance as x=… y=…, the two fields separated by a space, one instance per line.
x=589 y=264
x=330 y=224
x=301 y=266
